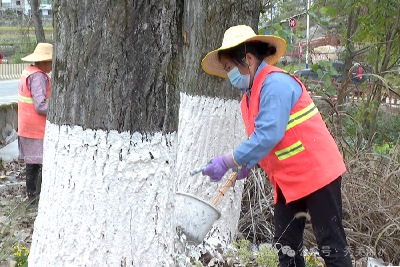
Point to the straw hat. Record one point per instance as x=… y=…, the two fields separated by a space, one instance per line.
x=43 y=52
x=234 y=36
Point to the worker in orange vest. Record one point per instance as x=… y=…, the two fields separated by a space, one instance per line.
x=33 y=97
x=289 y=140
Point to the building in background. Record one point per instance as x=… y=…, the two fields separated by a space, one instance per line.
x=23 y=7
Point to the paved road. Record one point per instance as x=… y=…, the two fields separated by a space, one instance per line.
x=8 y=88
x=8 y=91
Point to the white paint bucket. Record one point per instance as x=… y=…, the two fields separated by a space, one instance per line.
x=194 y=216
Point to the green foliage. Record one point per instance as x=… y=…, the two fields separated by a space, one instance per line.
x=17 y=58
x=384 y=149
x=21 y=255
x=326 y=72
x=265 y=257
x=10 y=14
x=245 y=254
x=278 y=30
x=387 y=131
x=311 y=261
x=7 y=234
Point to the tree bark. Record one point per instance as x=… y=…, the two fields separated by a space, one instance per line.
x=39 y=32
x=210 y=121
x=114 y=62
x=113 y=153
x=107 y=193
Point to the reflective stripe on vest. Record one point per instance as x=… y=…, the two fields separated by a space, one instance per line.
x=26 y=73
x=302 y=115
x=28 y=100
x=290 y=151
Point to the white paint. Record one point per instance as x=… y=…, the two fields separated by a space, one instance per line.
x=209 y=127
x=104 y=201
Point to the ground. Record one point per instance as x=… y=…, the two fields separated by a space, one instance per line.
x=16 y=217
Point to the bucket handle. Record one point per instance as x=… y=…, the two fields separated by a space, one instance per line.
x=224 y=189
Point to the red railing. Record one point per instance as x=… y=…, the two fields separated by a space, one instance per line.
x=327 y=40
x=357 y=93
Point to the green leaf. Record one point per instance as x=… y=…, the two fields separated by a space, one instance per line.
x=324 y=22
x=323 y=10
x=313 y=16
x=331 y=90
x=282 y=34
x=320 y=73
x=314 y=67
x=299 y=34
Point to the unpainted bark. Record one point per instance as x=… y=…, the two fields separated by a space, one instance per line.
x=39 y=32
x=115 y=63
x=205 y=23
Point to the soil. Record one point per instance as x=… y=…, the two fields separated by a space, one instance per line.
x=17 y=217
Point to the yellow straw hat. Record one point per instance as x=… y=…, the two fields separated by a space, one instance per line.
x=234 y=36
x=43 y=52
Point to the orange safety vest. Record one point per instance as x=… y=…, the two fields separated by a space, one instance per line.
x=30 y=123
x=307 y=158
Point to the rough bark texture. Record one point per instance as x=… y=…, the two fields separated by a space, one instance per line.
x=115 y=64
x=39 y=32
x=203 y=30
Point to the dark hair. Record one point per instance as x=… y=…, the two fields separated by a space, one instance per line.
x=259 y=49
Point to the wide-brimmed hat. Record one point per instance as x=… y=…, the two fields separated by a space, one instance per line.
x=235 y=36
x=43 y=52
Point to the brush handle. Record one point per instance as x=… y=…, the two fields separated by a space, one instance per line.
x=224 y=189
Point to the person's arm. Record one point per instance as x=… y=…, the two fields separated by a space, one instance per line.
x=37 y=84
x=279 y=94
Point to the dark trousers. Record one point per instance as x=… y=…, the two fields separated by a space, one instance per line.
x=33 y=180
x=325 y=208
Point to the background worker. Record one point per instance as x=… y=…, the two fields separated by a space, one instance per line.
x=33 y=97
x=290 y=141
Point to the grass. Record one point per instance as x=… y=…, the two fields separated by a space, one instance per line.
x=18 y=28
x=18 y=39
x=17 y=214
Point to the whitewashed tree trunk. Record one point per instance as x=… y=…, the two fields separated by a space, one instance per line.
x=106 y=199
x=209 y=127
x=210 y=121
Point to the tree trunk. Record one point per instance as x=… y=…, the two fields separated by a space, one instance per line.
x=210 y=107
x=113 y=155
x=39 y=32
x=107 y=187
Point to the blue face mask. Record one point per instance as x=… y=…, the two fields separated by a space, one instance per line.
x=239 y=80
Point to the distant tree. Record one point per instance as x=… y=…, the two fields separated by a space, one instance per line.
x=370 y=31
x=39 y=32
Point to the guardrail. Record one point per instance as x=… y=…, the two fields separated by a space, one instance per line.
x=11 y=71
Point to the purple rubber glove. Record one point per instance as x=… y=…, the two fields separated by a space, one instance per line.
x=243 y=172
x=219 y=166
